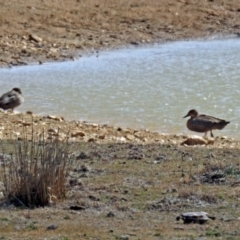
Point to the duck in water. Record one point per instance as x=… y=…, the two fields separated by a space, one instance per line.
x=204 y=123
x=11 y=99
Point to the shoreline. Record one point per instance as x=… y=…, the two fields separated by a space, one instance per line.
x=15 y=125
x=172 y=135
x=53 y=31
x=78 y=54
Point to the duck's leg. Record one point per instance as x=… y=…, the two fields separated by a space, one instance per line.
x=205 y=135
x=212 y=134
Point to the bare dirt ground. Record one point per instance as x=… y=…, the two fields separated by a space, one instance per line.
x=46 y=30
x=124 y=184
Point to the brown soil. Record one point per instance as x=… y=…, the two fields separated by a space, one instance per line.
x=39 y=31
x=124 y=184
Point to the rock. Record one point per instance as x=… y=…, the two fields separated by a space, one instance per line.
x=102 y=136
x=26 y=124
x=127 y=130
x=134 y=43
x=60 y=119
x=75 y=182
x=35 y=38
x=16 y=133
x=227 y=219
x=82 y=155
x=195 y=140
x=124 y=237
x=77 y=208
x=160 y=158
x=195 y=217
x=130 y=137
x=52 y=130
x=91 y=139
x=120 y=139
x=110 y=214
x=78 y=134
x=51 y=227
x=60 y=135
x=93 y=198
x=83 y=169
x=53 y=50
x=210 y=141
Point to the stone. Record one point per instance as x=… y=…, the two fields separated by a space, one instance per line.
x=77 y=208
x=102 y=136
x=78 y=134
x=26 y=124
x=60 y=135
x=120 y=139
x=91 y=139
x=110 y=214
x=51 y=227
x=195 y=217
x=35 y=38
x=130 y=137
x=52 y=130
x=124 y=237
x=16 y=133
x=195 y=140
x=134 y=43
x=82 y=155
x=60 y=119
x=29 y=112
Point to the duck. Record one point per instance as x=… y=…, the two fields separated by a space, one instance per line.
x=204 y=123
x=11 y=99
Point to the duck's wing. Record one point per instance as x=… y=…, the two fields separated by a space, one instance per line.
x=10 y=100
x=213 y=122
x=8 y=97
x=207 y=118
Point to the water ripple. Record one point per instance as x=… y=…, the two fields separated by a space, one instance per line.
x=151 y=87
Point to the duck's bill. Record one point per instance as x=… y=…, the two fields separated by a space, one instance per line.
x=185 y=116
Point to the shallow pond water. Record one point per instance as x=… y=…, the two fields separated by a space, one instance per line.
x=148 y=87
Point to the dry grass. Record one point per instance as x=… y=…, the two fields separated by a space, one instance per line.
x=143 y=192
x=36 y=170
x=108 y=190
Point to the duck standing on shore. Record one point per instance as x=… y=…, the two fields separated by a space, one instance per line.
x=204 y=123
x=11 y=99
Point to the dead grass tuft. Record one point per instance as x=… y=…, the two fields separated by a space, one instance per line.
x=35 y=172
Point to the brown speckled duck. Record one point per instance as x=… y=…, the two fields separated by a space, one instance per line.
x=204 y=123
x=11 y=99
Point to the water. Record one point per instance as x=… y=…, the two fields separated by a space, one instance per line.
x=151 y=87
